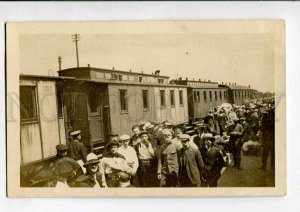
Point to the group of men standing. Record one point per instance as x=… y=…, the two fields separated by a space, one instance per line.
x=163 y=155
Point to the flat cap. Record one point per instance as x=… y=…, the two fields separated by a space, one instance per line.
x=61 y=147
x=124 y=137
x=148 y=125
x=75 y=132
x=184 y=137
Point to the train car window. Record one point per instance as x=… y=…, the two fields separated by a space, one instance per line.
x=28 y=104
x=195 y=96
x=198 y=94
x=181 y=97
x=204 y=95
x=145 y=99
x=235 y=94
x=172 y=98
x=221 y=95
x=210 y=96
x=120 y=77
x=239 y=94
x=216 y=95
x=93 y=101
x=162 y=98
x=123 y=100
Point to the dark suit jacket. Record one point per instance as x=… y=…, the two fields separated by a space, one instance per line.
x=194 y=164
x=86 y=180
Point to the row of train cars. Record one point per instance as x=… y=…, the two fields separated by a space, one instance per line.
x=99 y=101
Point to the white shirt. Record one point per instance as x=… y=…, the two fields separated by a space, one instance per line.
x=130 y=156
x=144 y=152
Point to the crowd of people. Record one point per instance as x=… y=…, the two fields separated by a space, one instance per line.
x=163 y=155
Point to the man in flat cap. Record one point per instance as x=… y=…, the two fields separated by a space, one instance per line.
x=129 y=153
x=76 y=148
x=114 y=168
x=168 y=164
x=65 y=169
x=191 y=164
x=92 y=177
x=147 y=153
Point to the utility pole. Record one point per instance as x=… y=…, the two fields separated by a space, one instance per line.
x=76 y=38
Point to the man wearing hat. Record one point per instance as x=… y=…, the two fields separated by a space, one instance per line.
x=135 y=139
x=235 y=130
x=253 y=122
x=92 y=177
x=213 y=161
x=190 y=164
x=246 y=129
x=201 y=130
x=114 y=168
x=151 y=135
x=222 y=122
x=76 y=149
x=168 y=164
x=129 y=153
x=147 y=155
x=65 y=169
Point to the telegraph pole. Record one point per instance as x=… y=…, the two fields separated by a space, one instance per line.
x=59 y=63
x=76 y=38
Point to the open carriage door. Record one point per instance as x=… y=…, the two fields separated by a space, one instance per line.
x=96 y=121
x=81 y=121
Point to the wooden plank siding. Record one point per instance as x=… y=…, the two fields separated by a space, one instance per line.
x=48 y=117
x=122 y=121
x=39 y=138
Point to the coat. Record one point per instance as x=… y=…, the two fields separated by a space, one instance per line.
x=194 y=164
x=86 y=180
x=77 y=150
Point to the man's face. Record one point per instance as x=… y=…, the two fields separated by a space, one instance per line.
x=168 y=136
x=185 y=143
x=144 y=137
x=136 y=131
x=207 y=143
x=79 y=137
x=92 y=168
x=113 y=149
x=114 y=138
x=126 y=142
x=178 y=132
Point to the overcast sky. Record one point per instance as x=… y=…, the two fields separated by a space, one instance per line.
x=241 y=58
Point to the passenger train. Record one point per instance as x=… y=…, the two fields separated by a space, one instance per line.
x=99 y=101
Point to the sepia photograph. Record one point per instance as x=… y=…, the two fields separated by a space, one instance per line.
x=146 y=108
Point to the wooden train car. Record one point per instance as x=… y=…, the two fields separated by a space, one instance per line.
x=95 y=101
x=99 y=101
x=203 y=96
x=239 y=94
x=42 y=124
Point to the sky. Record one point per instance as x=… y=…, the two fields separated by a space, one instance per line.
x=242 y=58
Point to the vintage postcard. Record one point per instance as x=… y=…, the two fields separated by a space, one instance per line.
x=146 y=108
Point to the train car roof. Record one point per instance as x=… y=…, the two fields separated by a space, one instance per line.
x=111 y=70
x=131 y=83
x=44 y=77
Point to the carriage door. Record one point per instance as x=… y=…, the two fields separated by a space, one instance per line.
x=96 y=121
x=81 y=117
